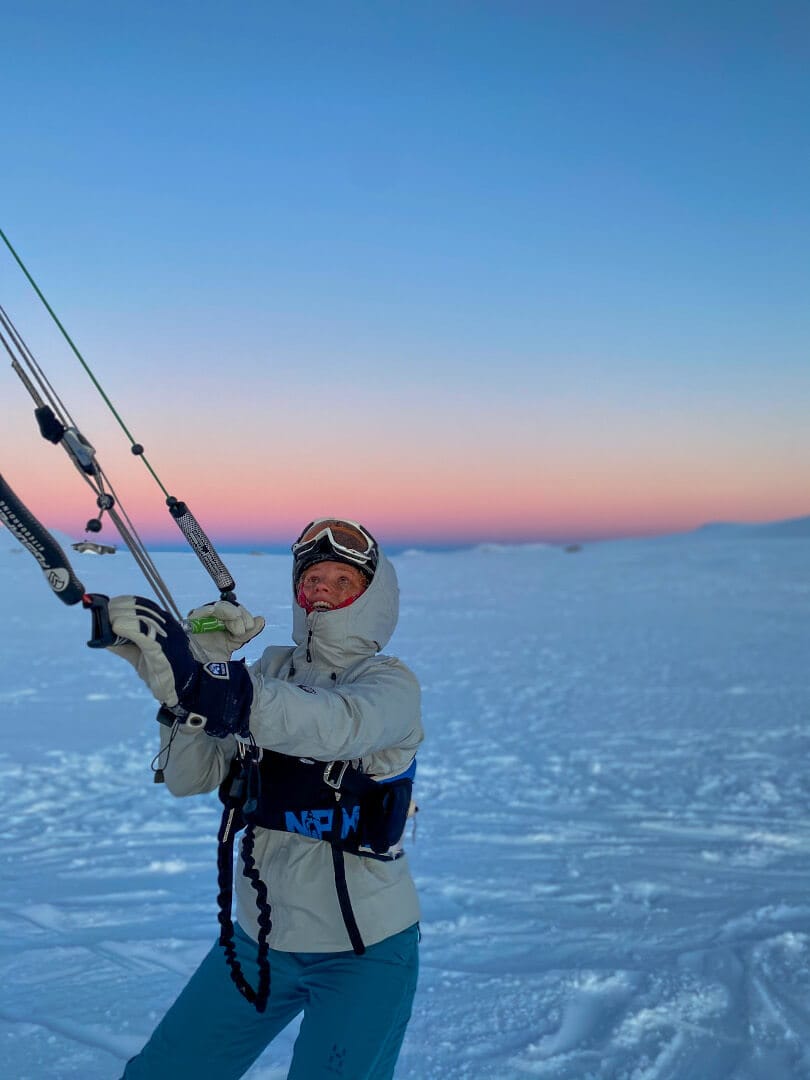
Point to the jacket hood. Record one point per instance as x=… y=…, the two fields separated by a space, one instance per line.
x=339 y=638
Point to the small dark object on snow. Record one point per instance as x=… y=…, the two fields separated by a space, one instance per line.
x=96 y=549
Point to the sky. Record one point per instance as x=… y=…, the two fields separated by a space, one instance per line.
x=465 y=272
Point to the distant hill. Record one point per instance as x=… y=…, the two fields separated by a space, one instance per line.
x=791 y=528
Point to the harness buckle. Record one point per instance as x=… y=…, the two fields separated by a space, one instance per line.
x=246 y=749
x=338 y=780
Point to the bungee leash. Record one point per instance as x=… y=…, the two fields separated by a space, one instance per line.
x=57 y=426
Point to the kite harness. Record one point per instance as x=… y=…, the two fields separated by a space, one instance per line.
x=334 y=803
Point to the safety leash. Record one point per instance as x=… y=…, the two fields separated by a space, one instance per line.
x=233 y=792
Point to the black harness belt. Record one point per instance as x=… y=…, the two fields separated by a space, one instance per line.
x=335 y=803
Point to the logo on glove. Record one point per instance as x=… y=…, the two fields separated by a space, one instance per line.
x=217 y=670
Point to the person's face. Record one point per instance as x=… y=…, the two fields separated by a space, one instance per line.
x=328 y=584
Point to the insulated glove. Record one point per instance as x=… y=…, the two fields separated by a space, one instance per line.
x=219 y=693
x=240 y=627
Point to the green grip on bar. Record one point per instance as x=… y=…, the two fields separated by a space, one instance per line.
x=205 y=625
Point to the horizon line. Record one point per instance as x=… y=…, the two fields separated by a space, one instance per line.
x=394 y=548
x=259 y=546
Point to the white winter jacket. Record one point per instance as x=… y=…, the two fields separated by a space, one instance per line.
x=329 y=698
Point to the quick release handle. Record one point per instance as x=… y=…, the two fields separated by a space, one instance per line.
x=206 y=624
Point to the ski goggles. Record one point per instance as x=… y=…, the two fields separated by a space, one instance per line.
x=332 y=538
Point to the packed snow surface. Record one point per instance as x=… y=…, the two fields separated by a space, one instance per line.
x=613 y=837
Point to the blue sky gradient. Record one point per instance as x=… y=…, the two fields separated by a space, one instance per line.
x=521 y=270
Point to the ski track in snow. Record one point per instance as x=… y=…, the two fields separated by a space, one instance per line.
x=612 y=844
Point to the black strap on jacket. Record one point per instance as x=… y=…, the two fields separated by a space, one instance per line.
x=346 y=910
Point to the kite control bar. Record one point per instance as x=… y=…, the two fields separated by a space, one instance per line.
x=55 y=565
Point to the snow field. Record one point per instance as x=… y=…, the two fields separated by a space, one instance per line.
x=613 y=836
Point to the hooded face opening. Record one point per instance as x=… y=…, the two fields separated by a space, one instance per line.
x=329 y=584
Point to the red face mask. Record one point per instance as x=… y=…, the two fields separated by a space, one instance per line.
x=310 y=607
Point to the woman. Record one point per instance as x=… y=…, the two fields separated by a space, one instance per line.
x=326 y=908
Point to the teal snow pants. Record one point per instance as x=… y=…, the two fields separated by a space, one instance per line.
x=356 y=1009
